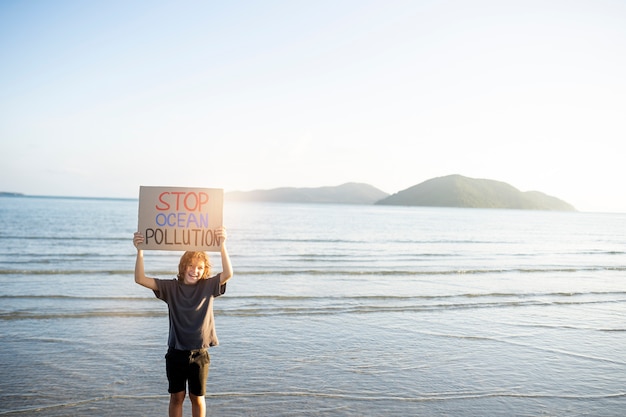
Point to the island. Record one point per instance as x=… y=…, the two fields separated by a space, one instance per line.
x=349 y=193
x=460 y=191
x=448 y=191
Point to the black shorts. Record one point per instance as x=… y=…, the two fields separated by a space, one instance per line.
x=187 y=365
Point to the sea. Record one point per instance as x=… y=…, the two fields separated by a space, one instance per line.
x=334 y=310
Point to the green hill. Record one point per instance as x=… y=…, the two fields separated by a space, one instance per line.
x=460 y=191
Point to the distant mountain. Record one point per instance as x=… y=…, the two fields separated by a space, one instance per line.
x=460 y=191
x=349 y=193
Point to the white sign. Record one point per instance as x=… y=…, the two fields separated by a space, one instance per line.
x=181 y=219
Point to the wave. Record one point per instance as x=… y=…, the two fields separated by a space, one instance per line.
x=347 y=298
x=72 y=297
x=331 y=272
x=411 y=272
x=67 y=272
x=269 y=397
x=370 y=309
x=392 y=240
x=33 y=315
x=291 y=305
x=435 y=396
x=69 y=238
x=76 y=403
x=85 y=272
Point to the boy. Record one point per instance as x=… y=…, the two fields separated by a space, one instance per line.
x=192 y=328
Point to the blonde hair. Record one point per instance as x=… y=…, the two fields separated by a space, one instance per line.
x=186 y=259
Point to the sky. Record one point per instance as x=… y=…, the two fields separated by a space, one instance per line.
x=98 y=98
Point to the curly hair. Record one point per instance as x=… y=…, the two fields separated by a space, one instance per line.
x=186 y=259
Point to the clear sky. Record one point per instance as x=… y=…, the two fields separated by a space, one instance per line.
x=100 y=97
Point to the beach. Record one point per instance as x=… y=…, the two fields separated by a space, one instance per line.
x=334 y=310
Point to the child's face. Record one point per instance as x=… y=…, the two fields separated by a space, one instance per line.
x=194 y=271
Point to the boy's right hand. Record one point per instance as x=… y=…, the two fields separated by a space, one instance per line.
x=138 y=239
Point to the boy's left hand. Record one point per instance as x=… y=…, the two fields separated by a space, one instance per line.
x=221 y=234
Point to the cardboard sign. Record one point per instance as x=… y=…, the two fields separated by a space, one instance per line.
x=181 y=219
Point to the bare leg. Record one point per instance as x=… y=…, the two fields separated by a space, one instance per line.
x=176 y=404
x=198 y=405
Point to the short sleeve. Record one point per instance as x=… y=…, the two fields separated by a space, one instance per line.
x=218 y=289
x=163 y=288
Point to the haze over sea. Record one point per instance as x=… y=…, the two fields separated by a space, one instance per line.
x=334 y=310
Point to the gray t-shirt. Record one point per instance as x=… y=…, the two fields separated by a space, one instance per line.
x=191 y=311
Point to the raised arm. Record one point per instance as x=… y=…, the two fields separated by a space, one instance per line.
x=227 y=268
x=140 y=275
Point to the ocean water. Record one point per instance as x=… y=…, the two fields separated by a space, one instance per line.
x=334 y=310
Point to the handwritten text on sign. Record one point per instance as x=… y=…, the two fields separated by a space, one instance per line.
x=175 y=218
